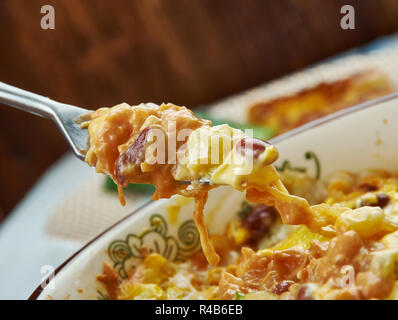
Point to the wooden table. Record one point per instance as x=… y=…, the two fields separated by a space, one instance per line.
x=187 y=52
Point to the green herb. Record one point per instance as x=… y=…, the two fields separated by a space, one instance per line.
x=260 y=132
x=286 y=165
x=239 y=296
x=110 y=185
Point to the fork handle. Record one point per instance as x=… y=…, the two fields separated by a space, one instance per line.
x=34 y=103
x=66 y=117
x=27 y=101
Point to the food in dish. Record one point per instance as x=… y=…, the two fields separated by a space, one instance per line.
x=282 y=248
x=288 y=112
x=351 y=255
x=167 y=145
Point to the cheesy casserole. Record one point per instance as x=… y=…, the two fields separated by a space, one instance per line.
x=282 y=248
x=353 y=256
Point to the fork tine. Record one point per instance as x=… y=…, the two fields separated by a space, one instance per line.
x=69 y=120
x=63 y=115
x=204 y=181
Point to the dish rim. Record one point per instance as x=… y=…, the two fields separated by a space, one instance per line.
x=364 y=105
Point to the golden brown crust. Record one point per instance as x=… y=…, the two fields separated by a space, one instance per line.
x=288 y=112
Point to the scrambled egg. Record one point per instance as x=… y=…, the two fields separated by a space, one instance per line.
x=211 y=153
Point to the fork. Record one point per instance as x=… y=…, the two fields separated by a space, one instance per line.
x=66 y=117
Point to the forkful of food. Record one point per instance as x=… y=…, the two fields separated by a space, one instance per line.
x=119 y=141
x=171 y=148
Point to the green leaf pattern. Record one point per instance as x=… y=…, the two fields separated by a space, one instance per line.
x=126 y=253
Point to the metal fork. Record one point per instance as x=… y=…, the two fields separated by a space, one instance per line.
x=66 y=117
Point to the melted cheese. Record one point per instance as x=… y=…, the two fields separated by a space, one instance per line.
x=120 y=138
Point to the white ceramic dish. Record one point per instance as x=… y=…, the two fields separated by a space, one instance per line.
x=365 y=136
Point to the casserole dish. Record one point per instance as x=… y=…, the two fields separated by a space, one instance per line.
x=354 y=139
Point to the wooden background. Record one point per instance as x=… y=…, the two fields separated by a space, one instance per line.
x=188 y=52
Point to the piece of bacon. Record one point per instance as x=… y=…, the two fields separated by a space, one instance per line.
x=251 y=147
x=132 y=156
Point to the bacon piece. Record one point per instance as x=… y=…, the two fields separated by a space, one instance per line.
x=282 y=286
x=251 y=147
x=304 y=293
x=131 y=158
x=229 y=286
x=341 y=252
x=372 y=285
x=264 y=272
x=110 y=279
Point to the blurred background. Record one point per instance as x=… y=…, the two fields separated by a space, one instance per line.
x=105 y=52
